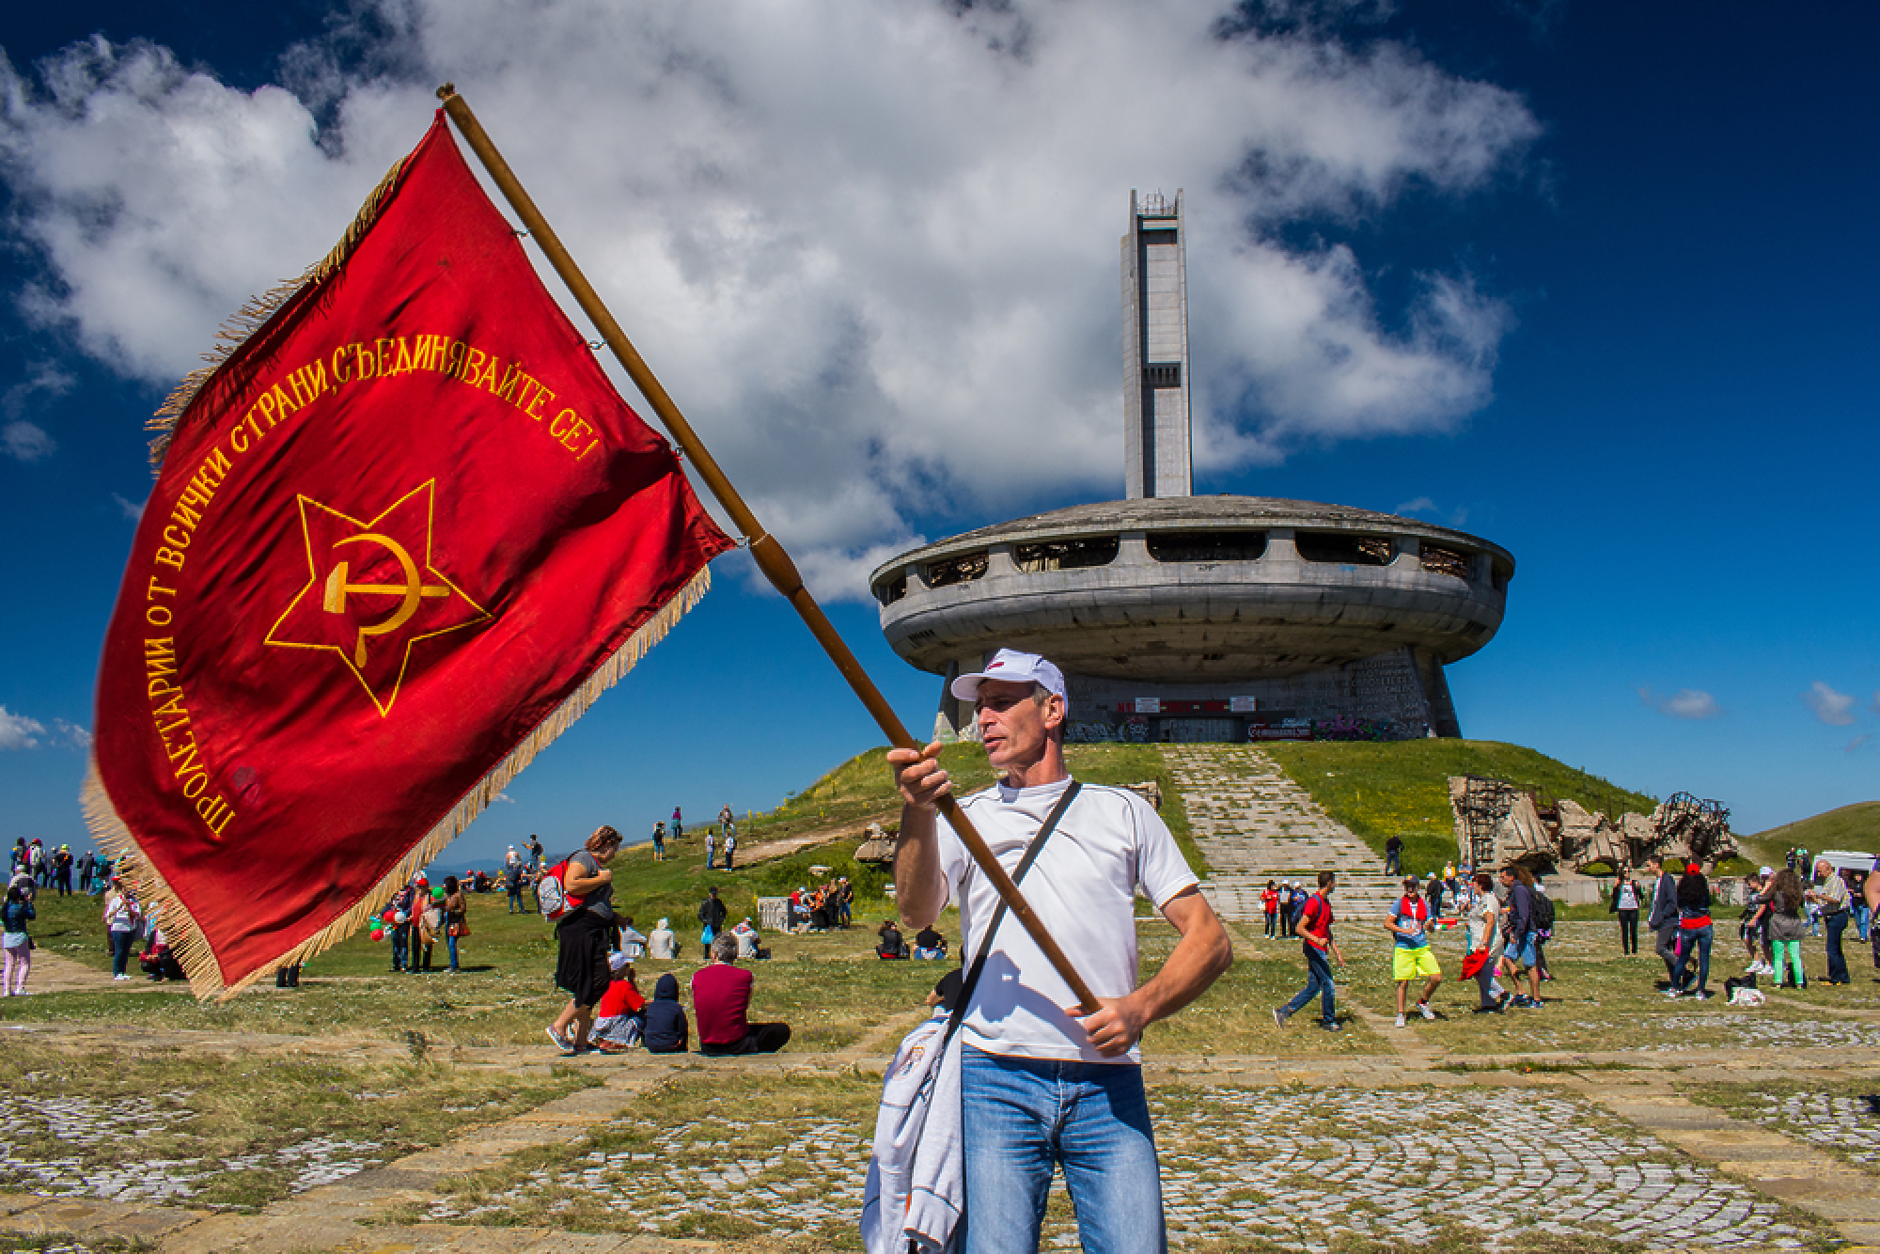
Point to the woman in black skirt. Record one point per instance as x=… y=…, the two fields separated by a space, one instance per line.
x=581 y=967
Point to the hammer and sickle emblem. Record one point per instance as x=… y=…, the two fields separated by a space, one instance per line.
x=409 y=593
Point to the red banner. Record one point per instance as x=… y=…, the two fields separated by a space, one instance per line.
x=399 y=541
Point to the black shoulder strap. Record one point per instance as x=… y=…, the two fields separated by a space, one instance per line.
x=998 y=916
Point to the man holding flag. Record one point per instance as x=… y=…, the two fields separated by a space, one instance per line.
x=1042 y=1085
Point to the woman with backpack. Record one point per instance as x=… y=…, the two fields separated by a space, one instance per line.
x=582 y=936
x=16 y=947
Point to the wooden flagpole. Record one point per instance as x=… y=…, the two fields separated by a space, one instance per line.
x=770 y=556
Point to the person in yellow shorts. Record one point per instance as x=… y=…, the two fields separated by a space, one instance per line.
x=1411 y=958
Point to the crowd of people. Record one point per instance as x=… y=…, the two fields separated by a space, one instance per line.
x=606 y=1011
x=1509 y=918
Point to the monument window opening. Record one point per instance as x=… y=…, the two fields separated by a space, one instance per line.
x=1441 y=561
x=1206 y=546
x=1162 y=374
x=892 y=590
x=962 y=569
x=1047 y=555
x=1343 y=548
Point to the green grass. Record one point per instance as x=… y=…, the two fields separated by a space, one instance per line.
x=1854 y=827
x=1380 y=788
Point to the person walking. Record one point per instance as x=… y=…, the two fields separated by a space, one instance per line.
x=1519 y=953
x=731 y=843
x=1315 y=920
x=1043 y=1085
x=1662 y=919
x=1410 y=954
x=1626 y=896
x=1484 y=940
x=16 y=947
x=1393 y=855
x=711 y=847
x=1699 y=933
x=1269 y=906
x=659 y=841
x=122 y=915
x=1836 y=904
x=581 y=937
x=678 y=826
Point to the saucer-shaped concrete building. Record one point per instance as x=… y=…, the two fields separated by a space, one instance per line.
x=1201 y=618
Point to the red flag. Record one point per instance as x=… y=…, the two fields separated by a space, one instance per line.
x=400 y=539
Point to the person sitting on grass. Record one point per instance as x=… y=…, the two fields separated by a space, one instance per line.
x=890 y=944
x=721 y=998
x=620 y=1018
x=929 y=944
x=666 y=1029
x=749 y=948
x=663 y=943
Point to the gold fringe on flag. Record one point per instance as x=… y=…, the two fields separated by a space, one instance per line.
x=256 y=314
x=184 y=936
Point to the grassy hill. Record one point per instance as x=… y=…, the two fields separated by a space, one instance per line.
x=1850 y=827
x=1377 y=788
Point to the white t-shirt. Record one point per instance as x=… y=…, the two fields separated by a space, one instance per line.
x=1109 y=846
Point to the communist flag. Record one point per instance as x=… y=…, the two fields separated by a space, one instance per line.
x=399 y=540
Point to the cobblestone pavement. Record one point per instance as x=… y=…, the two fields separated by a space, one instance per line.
x=1771 y=1033
x=1305 y=1168
x=1849 y=1123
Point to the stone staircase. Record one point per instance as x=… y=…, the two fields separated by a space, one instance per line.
x=1254 y=824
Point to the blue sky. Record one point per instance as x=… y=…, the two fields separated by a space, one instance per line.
x=1591 y=281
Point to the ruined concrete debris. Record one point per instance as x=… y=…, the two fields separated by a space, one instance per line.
x=1498 y=823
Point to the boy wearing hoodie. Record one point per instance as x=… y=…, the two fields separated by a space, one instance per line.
x=667 y=1031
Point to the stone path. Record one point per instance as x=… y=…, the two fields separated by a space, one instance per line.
x=1254 y=824
x=1317 y=1153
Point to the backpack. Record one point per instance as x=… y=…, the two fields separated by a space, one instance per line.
x=553 y=893
x=1543 y=912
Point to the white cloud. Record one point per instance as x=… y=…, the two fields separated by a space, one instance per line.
x=862 y=241
x=19 y=732
x=505 y=798
x=1836 y=709
x=1858 y=742
x=1686 y=703
x=1421 y=505
x=25 y=441
x=73 y=735
x=132 y=510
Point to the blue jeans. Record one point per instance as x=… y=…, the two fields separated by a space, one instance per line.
x=515 y=900
x=1698 y=940
x=1319 y=980
x=1837 y=957
x=450 y=942
x=1023 y=1117
x=401 y=946
x=120 y=950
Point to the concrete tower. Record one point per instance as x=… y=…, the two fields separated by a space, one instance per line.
x=1155 y=350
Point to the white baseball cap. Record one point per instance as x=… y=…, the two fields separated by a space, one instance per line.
x=1011 y=666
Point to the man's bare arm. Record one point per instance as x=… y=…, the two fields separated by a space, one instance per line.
x=1200 y=957
x=920 y=890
